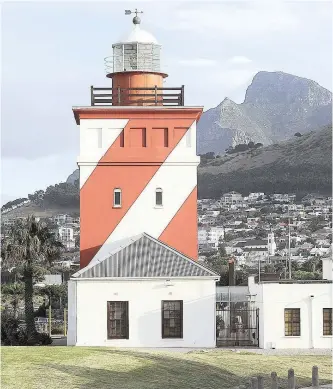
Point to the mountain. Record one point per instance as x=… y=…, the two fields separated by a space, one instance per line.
x=299 y=165
x=276 y=106
x=73 y=177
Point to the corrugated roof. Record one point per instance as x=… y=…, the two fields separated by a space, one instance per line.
x=143 y=256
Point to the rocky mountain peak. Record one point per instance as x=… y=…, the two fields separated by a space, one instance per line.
x=276 y=106
x=280 y=87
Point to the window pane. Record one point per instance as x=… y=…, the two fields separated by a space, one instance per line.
x=117 y=319
x=292 y=323
x=327 y=321
x=172 y=319
x=117 y=197
x=159 y=200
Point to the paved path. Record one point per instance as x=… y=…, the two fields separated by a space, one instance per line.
x=63 y=342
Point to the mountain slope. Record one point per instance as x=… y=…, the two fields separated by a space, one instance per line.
x=276 y=106
x=299 y=165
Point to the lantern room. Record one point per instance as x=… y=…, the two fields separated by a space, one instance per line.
x=135 y=71
x=137 y=51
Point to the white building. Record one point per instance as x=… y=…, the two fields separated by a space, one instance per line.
x=293 y=314
x=66 y=234
x=210 y=236
x=231 y=198
x=63 y=219
x=255 y=196
x=271 y=245
x=143 y=294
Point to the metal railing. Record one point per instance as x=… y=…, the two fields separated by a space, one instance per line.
x=137 y=96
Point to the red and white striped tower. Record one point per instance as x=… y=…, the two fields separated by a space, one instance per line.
x=138 y=162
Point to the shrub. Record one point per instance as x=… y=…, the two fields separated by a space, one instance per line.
x=44 y=339
x=9 y=330
x=14 y=334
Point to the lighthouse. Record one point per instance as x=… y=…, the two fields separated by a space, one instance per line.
x=137 y=162
x=139 y=284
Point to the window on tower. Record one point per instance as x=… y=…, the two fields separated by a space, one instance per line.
x=159 y=197
x=117 y=198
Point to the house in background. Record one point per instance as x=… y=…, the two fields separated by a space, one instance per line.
x=293 y=314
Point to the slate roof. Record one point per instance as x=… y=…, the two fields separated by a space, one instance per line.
x=251 y=242
x=143 y=256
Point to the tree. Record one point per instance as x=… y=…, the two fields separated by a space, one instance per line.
x=15 y=293
x=298 y=134
x=30 y=247
x=220 y=266
x=77 y=242
x=222 y=250
x=56 y=294
x=305 y=275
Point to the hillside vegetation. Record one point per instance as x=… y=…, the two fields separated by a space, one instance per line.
x=300 y=165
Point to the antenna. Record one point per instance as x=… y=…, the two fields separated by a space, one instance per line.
x=136 y=12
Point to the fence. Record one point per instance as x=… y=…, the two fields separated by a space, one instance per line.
x=258 y=382
x=55 y=323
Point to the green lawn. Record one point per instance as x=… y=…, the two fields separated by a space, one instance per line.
x=93 y=368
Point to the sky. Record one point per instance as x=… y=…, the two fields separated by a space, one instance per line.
x=53 y=51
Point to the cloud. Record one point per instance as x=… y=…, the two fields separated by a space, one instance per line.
x=198 y=62
x=21 y=176
x=236 y=20
x=239 y=60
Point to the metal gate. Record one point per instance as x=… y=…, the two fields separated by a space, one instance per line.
x=237 y=325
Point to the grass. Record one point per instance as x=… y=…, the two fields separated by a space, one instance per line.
x=94 y=368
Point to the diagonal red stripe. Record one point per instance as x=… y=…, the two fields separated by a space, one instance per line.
x=98 y=217
x=182 y=231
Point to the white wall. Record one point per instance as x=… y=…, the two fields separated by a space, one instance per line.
x=327 y=269
x=144 y=299
x=273 y=298
x=71 y=333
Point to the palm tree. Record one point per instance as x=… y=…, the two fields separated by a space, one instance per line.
x=30 y=247
x=14 y=292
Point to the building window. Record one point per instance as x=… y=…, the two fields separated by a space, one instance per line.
x=117 y=320
x=327 y=321
x=292 y=322
x=159 y=197
x=117 y=198
x=172 y=319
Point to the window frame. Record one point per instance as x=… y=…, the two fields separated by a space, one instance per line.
x=295 y=319
x=158 y=190
x=327 y=324
x=108 y=320
x=181 y=310
x=115 y=191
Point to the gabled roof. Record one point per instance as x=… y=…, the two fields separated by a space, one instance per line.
x=143 y=256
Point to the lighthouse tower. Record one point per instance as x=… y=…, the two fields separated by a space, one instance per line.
x=138 y=162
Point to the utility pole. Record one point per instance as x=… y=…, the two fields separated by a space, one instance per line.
x=259 y=270
x=289 y=244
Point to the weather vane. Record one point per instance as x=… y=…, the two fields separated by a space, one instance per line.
x=136 y=19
